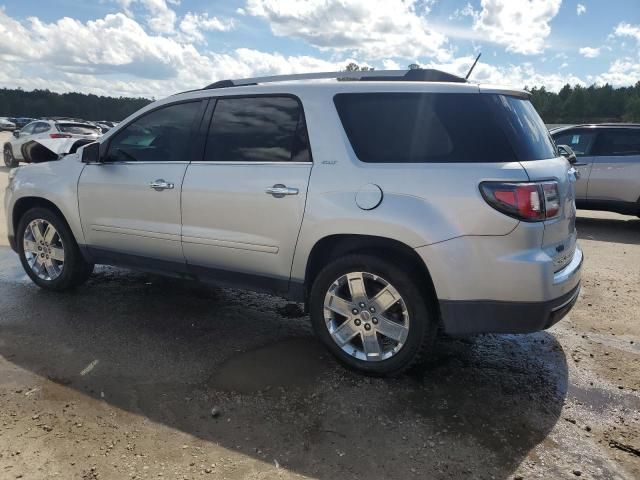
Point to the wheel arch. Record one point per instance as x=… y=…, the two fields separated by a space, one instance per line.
x=335 y=246
x=24 y=204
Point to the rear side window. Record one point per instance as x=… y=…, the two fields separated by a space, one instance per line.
x=439 y=128
x=618 y=143
x=77 y=128
x=579 y=141
x=41 y=127
x=257 y=129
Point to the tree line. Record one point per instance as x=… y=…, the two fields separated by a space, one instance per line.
x=575 y=104
x=44 y=103
x=594 y=104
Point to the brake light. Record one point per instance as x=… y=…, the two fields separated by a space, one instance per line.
x=59 y=135
x=530 y=201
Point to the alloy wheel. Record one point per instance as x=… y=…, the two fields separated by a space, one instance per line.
x=43 y=249
x=366 y=316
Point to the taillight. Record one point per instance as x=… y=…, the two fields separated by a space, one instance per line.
x=530 y=201
x=59 y=135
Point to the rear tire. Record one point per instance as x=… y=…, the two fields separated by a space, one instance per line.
x=392 y=310
x=48 y=251
x=9 y=160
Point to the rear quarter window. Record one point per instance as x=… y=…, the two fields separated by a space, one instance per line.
x=77 y=128
x=442 y=128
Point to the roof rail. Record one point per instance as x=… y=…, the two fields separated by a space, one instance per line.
x=417 y=75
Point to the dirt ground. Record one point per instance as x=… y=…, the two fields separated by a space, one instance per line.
x=135 y=376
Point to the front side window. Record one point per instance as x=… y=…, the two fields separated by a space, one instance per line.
x=257 y=129
x=580 y=141
x=29 y=128
x=162 y=135
x=618 y=143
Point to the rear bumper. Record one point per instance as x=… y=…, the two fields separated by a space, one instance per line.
x=484 y=288
x=462 y=317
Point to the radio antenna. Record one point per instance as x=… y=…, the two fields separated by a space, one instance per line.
x=473 y=66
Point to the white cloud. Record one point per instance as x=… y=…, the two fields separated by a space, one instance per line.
x=589 y=52
x=627 y=30
x=115 y=55
x=580 y=9
x=517 y=76
x=371 y=28
x=521 y=25
x=161 y=18
x=192 y=25
x=622 y=72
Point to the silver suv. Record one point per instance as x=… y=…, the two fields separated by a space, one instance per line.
x=608 y=161
x=392 y=205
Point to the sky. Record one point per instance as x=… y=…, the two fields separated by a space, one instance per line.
x=154 y=48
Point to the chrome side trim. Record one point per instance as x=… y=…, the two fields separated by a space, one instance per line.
x=213 y=242
x=136 y=233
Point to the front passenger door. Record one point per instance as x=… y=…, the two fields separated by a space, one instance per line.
x=130 y=201
x=581 y=142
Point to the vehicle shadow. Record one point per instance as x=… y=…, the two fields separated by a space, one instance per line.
x=171 y=351
x=621 y=229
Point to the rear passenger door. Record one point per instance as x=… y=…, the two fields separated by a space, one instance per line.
x=581 y=142
x=242 y=204
x=615 y=175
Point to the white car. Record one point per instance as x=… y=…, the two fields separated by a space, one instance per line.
x=6 y=124
x=45 y=140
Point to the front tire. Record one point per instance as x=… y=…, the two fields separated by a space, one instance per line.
x=48 y=251
x=9 y=160
x=372 y=315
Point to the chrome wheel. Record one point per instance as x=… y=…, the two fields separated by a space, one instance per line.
x=366 y=316
x=43 y=249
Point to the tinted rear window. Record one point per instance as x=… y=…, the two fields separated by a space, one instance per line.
x=77 y=128
x=618 y=142
x=445 y=128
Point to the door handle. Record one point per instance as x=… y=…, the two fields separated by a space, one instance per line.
x=161 y=184
x=279 y=190
x=580 y=164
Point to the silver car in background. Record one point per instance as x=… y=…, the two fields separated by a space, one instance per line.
x=608 y=159
x=392 y=206
x=6 y=124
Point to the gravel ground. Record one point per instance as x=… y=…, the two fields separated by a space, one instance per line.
x=135 y=376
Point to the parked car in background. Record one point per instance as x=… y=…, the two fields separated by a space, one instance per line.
x=21 y=121
x=45 y=140
x=608 y=159
x=390 y=208
x=6 y=124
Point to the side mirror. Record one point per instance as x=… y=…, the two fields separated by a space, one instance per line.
x=91 y=153
x=567 y=152
x=16 y=133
